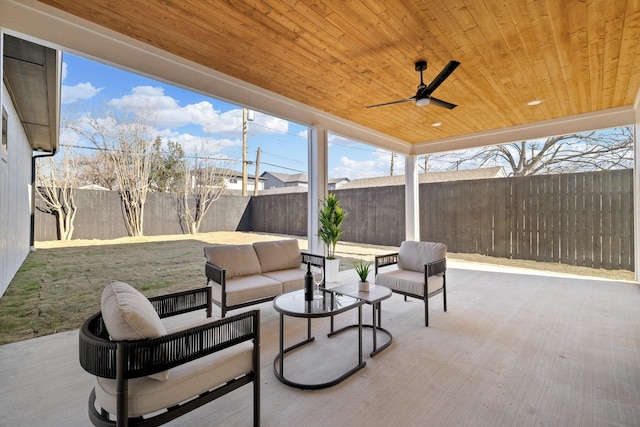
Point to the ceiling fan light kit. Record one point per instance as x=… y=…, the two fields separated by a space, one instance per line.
x=423 y=95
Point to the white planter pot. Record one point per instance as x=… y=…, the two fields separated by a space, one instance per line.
x=363 y=286
x=332 y=267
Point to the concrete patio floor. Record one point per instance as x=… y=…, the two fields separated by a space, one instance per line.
x=516 y=347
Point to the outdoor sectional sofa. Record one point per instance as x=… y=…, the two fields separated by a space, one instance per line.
x=244 y=275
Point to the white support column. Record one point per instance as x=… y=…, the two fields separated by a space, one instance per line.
x=636 y=190
x=318 y=184
x=411 y=204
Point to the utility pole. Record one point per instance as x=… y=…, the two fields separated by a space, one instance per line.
x=392 y=159
x=247 y=115
x=255 y=177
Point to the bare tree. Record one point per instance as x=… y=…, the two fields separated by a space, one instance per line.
x=597 y=150
x=204 y=183
x=127 y=147
x=95 y=169
x=56 y=179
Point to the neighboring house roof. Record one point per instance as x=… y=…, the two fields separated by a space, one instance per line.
x=300 y=178
x=444 y=176
x=288 y=178
x=235 y=174
x=32 y=74
x=93 y=187
x=340 y=181
x=283 y=190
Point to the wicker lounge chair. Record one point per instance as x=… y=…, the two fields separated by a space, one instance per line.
x=420 y=273
x=147 y=376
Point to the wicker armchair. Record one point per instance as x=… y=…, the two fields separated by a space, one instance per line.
x=152 y=380
x=421 y=272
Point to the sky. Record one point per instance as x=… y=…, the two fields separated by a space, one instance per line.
x=205 y=125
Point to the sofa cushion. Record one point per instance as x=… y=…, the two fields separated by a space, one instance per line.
x=411 y=282
x=248 y=288
x=186 y=381
x=278 y=255
x=291 y=279
x=129 y=315
x=414 y=255
x=237 y=260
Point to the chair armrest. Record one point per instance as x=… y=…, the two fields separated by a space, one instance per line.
x=436 y=267
x=98 y=354
x=214 y=273
x=385 y=260
x=316 y=260
x=182 y=302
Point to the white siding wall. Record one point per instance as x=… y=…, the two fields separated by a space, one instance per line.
x=15 y=198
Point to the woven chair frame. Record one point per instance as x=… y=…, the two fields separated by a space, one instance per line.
x=124 y=360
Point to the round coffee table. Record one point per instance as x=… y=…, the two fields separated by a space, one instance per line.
x=327 y=304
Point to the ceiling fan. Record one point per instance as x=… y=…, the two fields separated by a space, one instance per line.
x=423 y=95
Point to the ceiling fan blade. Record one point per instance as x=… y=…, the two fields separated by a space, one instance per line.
x=441 y=103
x=392 y=102
x=446 y=71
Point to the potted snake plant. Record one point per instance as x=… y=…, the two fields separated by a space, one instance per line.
x=362 y=269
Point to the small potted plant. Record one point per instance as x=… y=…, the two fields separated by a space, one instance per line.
x=362 y=269
x=330 y=217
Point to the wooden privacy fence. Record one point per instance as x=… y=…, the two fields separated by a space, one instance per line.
x=583 y=219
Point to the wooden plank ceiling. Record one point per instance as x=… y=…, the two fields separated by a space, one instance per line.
x=577 y=56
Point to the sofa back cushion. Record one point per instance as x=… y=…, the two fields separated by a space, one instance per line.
x=414 y=255
x=237 y=260
x=278 y=255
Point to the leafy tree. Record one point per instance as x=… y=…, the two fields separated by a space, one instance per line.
x=168 y=167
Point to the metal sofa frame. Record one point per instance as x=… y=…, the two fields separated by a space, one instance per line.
x=430 y=269
x=218 y=275
x=124 y=360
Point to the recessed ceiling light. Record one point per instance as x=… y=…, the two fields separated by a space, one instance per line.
x=534 y=102
x=436 y=124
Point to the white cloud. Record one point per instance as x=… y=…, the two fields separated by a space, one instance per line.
x=192 y=144
x=81 y=91
x=167 y=113
x=355 y=169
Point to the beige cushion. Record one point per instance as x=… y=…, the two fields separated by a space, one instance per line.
x=414 y=255
x=411 y=282
x=291 y=279
x=278 y=255
x=237 y=260
x=250 y=288
x=186 y=381
x=129 y=315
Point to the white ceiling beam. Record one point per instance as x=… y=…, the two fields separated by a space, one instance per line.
x=621 y=116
